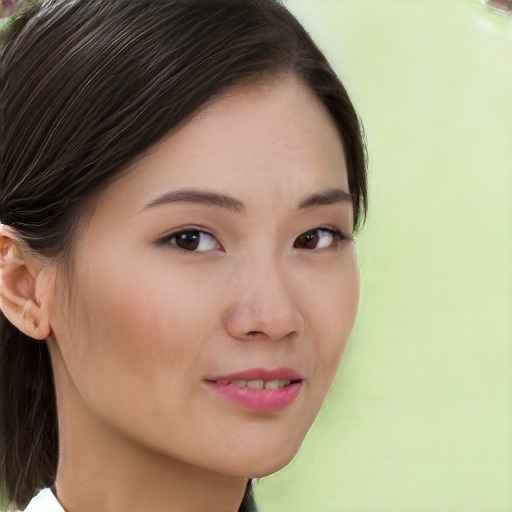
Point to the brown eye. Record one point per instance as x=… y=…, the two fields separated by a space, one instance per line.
x=193 y=240
x=307 y=240
x=319 y=238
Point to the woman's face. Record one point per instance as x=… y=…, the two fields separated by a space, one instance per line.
x=217 y=259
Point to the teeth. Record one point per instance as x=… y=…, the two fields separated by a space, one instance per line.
x=272 y=384
x=255 y=384
x=260 y=384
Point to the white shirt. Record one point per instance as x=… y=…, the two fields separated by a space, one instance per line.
x=44 y=501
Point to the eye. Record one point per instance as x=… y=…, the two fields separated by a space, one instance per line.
x=193 y=240
x=319 y=238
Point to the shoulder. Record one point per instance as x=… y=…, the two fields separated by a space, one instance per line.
x=44 y=501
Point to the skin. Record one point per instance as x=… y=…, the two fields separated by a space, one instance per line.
x=149 y=322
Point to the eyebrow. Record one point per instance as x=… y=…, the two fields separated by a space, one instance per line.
x=332 y=196
x=198 y=196
x=325 y=198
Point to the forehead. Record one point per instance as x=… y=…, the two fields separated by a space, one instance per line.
x=263 y=144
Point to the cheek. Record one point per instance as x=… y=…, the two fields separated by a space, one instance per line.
x=119 y=338
x=139 y=326
x=334 y=315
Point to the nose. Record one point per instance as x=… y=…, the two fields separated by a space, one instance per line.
x=264 y=304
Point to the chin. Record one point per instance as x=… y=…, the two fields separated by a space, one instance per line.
x=267 y=469
x=261 y=463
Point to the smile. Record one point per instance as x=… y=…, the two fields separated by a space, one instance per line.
x=258 y=384
x=272 y=391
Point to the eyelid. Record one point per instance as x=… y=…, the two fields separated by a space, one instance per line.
x=165 y=240
x=336 y=230
x=338 y=237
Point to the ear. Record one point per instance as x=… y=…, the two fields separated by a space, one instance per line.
x=24 y=286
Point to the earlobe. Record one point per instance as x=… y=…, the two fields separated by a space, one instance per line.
x=19 y=279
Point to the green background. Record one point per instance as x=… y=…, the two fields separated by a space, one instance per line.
x=420 y=417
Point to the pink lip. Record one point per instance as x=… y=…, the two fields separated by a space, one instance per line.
x=262 y=374
x=259 y=399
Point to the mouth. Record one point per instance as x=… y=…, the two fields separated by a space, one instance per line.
x=259 y=389
x=257 y=383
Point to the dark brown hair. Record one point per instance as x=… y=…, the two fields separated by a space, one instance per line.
x=86 y=87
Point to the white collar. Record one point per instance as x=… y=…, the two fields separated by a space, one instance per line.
x=44 y=501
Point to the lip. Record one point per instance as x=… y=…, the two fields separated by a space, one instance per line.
x=262 y=374
x=264 y=400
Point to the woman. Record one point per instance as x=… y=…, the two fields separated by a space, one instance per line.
x=180 y=185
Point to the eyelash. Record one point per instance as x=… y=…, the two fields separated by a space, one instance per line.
x=338 y=238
